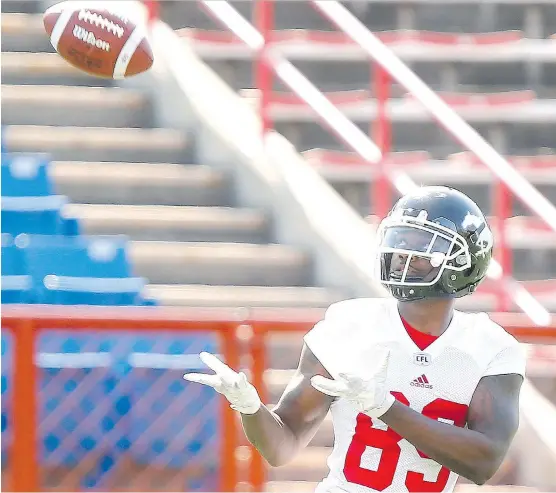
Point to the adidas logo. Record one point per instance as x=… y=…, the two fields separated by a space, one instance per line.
x=422 y=382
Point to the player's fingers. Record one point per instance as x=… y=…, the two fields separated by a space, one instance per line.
x=327 y=386
x=242 y=380
x=210 y=380
x=349 y=377
x=217 y=366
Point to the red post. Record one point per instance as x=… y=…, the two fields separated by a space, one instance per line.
x=264 y=20
x=153 y=9
x=229 y=476
x=25 y=441
x=502 y=210
x=381 y=132
x=257 y=471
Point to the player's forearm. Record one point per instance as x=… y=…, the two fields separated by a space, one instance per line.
x=465 y=452
x=272 y=438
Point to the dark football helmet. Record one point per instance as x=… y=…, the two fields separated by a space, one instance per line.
x=434 y=243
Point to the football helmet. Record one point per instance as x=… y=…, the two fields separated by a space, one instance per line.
x=434 y=243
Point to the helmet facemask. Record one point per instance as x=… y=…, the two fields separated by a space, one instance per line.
x=414 y=252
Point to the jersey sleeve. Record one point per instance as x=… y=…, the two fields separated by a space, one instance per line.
x=327 y=339
x=511 y=359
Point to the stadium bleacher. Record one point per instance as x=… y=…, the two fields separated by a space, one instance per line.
x=130 y=379
x=45 y=259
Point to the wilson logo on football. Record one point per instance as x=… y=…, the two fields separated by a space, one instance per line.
x=89 y=38
x=422 y=382
x=102 y=22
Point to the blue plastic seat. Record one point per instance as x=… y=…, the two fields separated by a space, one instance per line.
x=25 y=175
x=37 y=215
x=16 y=282
x=81 y=270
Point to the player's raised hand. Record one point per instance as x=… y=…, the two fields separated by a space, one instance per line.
x=234 y=386
x=369 y=395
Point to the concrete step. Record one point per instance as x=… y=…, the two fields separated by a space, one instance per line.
x=166 y=262
x=356 y=191
x=45 y=68
x=509 y=137
x=308 y=465
x=172 y=223
x=141 y=183
x=199 y=295
x=24 y=32
x=30 y=6
x=100 y=144
x=75 y=106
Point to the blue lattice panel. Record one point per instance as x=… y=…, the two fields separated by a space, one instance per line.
x=115 y=412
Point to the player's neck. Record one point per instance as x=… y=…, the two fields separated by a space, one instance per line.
x=428 y=316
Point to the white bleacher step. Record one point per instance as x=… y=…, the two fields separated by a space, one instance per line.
x=403 y=110
x=21 y=6
x=99 y=143
x=244 y=264
x=331 y=46
x=171 y=223
x=24 y=32
x=44 y=68
x=431 y=172
x=245 y=296
x=141 y=183
x=80 y=106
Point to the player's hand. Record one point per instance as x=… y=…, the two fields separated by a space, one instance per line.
x=368 y=395
x=234 y=386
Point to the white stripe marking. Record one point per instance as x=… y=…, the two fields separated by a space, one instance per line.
x=127 y=52
x=60 y=25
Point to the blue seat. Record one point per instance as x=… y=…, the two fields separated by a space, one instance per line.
x=81 y=270
x=16 y=282
x=25 y=175
x=37 y=215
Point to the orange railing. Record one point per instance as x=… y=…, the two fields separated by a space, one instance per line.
x=233 y=327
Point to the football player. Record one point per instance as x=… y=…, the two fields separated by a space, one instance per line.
x=419 y=392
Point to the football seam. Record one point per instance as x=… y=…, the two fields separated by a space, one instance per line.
x=60 y=27
x=127 y=52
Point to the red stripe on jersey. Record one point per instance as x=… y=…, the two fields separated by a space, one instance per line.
x=425 y=379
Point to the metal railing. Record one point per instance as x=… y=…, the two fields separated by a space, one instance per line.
x=270 y=59
x=241 y=334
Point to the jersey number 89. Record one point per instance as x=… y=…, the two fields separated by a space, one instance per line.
x=388 y=440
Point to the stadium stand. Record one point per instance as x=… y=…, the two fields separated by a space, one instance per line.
x=494 y=63
x=190 y=236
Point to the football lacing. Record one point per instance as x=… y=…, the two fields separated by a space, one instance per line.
x=102 y=22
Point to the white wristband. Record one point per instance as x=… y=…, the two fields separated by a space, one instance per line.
x=377 y=412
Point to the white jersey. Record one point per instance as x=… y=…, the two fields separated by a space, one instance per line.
x=438 y=382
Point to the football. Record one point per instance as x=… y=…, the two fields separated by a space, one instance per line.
x=98 y=39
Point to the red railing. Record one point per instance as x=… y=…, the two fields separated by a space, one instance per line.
x=508 y=177
x=241 y=333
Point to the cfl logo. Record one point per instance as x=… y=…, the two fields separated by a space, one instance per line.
x=422 y=359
